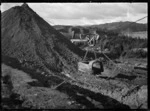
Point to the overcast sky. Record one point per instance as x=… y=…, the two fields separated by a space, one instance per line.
x=86 y=13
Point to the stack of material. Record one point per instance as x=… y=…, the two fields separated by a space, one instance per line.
x=27 y=37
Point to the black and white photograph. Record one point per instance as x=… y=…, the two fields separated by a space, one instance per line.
x=88 y=55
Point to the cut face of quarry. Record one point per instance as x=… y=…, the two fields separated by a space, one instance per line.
x=39 y=70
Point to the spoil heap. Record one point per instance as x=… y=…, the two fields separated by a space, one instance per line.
x=30 y=39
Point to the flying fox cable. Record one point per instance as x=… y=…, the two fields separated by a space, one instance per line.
x=134 y=21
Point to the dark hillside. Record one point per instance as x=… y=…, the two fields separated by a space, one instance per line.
x=121 y=26
x=27 y=37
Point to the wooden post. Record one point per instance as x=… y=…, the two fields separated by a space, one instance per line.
x=85 y=55
x=80 y=36
x=72 y=34
x=95 y=55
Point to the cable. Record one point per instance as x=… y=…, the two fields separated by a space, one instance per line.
x=134 y=21
x=141 y=18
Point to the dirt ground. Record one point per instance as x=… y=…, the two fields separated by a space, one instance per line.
x=87 y=92
x=18 y=92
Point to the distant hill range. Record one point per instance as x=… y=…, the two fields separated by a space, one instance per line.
x=126 y=28
x=122 y=26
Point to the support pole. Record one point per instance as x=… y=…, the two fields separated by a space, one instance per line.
x=85 y=55
x=58 y=85
x=95 y=55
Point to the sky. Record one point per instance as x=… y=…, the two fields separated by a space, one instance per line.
x=86 y=13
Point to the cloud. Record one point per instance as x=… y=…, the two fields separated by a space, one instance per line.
x=138 y=8
x=87 y=13
x=79 y=10
x=6 y=6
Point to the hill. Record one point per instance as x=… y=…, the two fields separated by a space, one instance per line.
x=119 y=27
x=122 y=26
x=31 y=40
